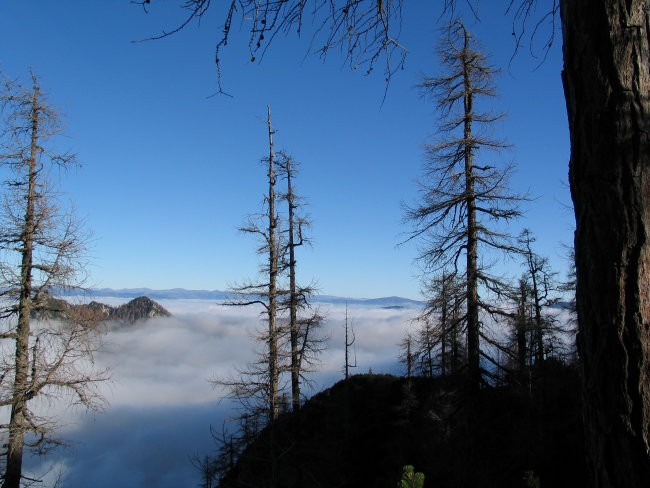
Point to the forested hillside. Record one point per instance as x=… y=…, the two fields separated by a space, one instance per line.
x=362 y=431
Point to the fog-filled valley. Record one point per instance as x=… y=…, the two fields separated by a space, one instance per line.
x=160 y=402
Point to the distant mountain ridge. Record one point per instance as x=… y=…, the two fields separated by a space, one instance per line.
x=383 y=302
x=218 y=295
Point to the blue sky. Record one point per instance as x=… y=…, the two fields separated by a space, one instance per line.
x=169 y=174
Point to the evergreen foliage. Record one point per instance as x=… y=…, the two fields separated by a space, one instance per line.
x=411 y=479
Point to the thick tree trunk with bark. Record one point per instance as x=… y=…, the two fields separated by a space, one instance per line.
x=607 y=85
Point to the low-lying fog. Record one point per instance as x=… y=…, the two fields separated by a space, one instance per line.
x=161 y=403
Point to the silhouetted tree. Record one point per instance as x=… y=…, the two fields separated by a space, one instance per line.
x=543 y=287
x=213 y=468
x=568 y=287
x=260 y=384
x=407 y=356
x=207 y=468
x=350 y=338
x=292 y=341
x=440 y=327
x=522 y=326
x=257 y=386
x=462 y=200
x=304 y=343
x=42 y=247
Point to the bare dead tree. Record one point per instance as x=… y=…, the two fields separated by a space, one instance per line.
x=207 y=468
x=440 y=326
x=407 y=354
x=568 y=289
x=350 y=339
x=517 y=351
x=304 y=342
x=257 y=386
x=41 y=247
x=295 y=239
x=260 y=383
x=273 y=263
x=522 y=322
x=292 y=342
x=213 y=468
x=463 y=201
x=544 y=288
x=426 y=343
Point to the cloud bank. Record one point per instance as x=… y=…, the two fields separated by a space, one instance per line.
x=161 y=404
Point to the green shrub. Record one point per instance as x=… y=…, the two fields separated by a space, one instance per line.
x=411 y=479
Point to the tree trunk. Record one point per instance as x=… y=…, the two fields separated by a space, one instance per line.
x=274 y=410
x=473 y=351
x=293 y=297
x=443 y=326
x=607 y=84
x=521 y=332
x=539 y=323
x=430 y=345
x=293 y=327
x=349 y=340
x=17 y=421
x=455 y=353
x=273 y=274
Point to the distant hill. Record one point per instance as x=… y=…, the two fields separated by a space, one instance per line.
x=140 y=308
x=217 y=295
x=360 y=433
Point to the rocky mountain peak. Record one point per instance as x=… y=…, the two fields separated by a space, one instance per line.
x=47 y=308
x=138 y=309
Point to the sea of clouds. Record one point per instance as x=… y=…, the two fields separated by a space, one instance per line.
x=161 y=404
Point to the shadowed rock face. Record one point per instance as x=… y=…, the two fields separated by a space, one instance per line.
x=141 y=308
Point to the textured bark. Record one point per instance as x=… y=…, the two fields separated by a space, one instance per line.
x=607 y=84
